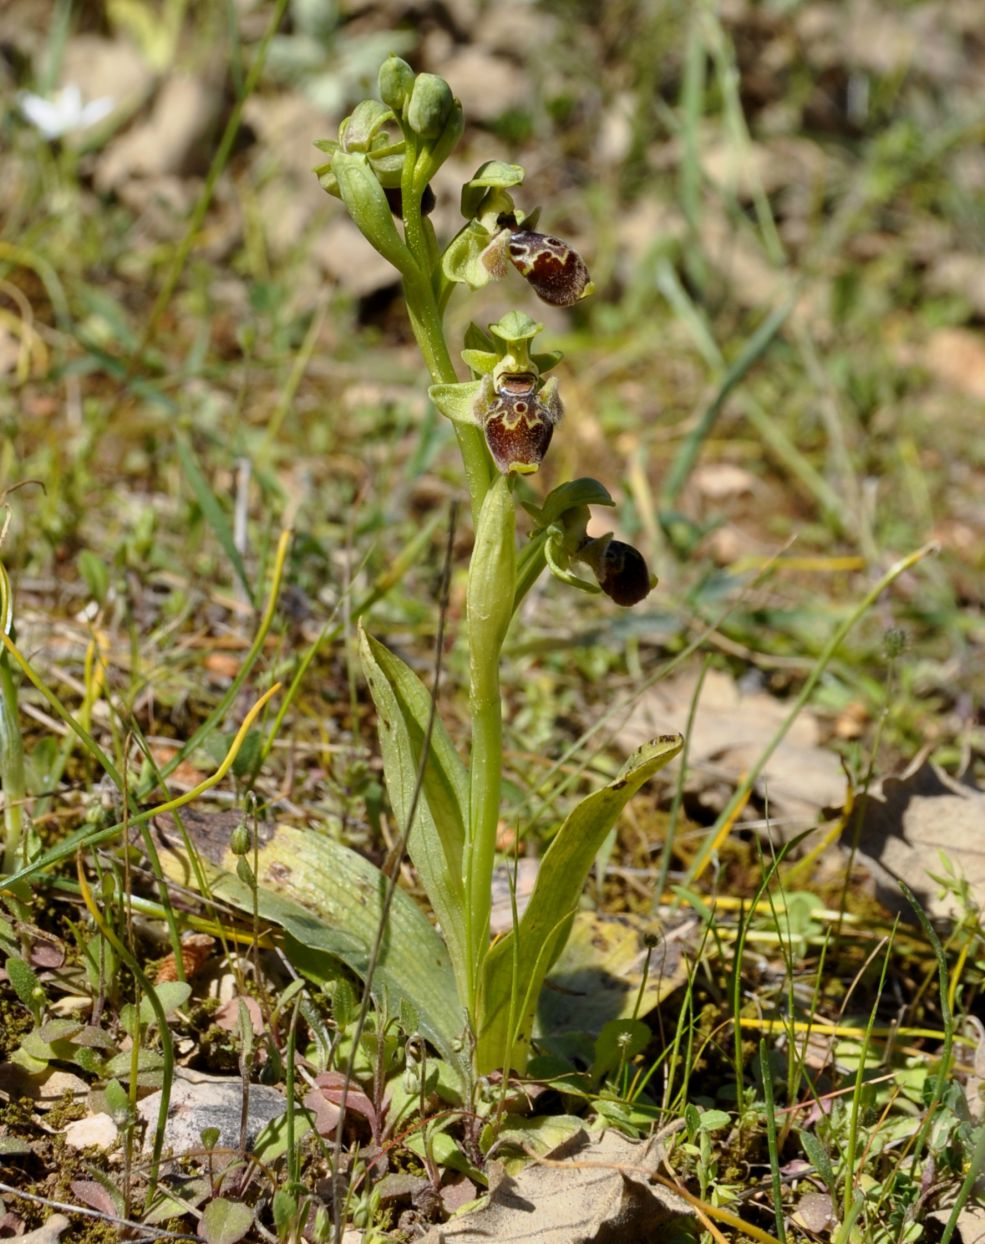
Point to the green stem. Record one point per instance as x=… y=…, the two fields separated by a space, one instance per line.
x=485 y=781
x=12 y=778
x=492 y=573
x=427 y=322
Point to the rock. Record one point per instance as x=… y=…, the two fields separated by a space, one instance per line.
x=198 y=1103
x=95 y=1129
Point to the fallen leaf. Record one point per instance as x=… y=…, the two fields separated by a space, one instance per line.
x=814 y=1212
x=911 y=824
x=92 y=1193
x=50 y=1233
x=501 y=915
x=585 y=1190
x=599 y=974
x=227 y=1016
x=732 y=729
x=970 y=1224
x=336 y=1088
x=172 y=139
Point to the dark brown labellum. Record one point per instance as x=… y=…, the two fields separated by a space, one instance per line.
x=623 y=574
x=519 y=421
x=518 y=435
x=556 y=272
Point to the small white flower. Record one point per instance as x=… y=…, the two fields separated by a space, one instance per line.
x=57 y=117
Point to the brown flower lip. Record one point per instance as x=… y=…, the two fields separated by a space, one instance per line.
x=556 y=273
x=518 y=425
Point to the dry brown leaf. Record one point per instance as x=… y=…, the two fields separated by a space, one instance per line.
x=171 y=140
x=501 y=916
x=731 y=731
x=598 y=977
x=815 y=1212
x=50 y=1233
x=90 y=1192
x=971 y=1224
x=912 y=821
x=584 y=1190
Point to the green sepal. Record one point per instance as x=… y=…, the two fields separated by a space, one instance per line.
x=360 y=130
x=493 y=175
x=573 y=494
x=366 y=203
x=477 y=338
x=518 y=963
x=457 y=401
x=509 y=350
x=364 y=132
x=462 y=261
x=514 y=328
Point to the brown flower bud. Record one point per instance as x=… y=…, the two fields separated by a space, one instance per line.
x=620 y=569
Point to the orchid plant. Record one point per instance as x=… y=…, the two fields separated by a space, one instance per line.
x=505 y=416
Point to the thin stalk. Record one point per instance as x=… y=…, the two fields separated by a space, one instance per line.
x=849 y=1213
x=767 y=1073
x=12 y=780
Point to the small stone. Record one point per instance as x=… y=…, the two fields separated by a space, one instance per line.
x=96 y=1129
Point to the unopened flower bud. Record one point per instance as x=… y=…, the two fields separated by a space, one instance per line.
x=241 y=839
x=430 y=105
x=396 y=82
x=620 y=569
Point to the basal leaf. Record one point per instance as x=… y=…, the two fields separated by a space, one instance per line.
x=529 y=952
x=437 y=837
x=328 y=901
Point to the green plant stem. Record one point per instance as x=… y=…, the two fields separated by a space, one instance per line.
x=485 y=774
x=11 y=770
x=492 y=574
x=427 y=323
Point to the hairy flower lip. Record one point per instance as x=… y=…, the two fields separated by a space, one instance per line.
x=518 y=419
x=553 y=269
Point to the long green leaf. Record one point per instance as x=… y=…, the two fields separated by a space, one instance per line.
x=437 y=837
x=328 y=902
x=522 y=958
